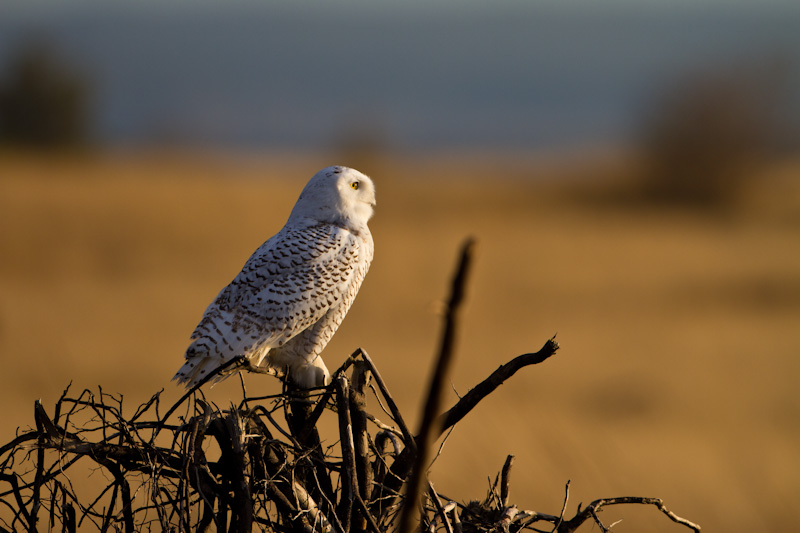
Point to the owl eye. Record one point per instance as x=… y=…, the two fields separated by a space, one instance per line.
x=354 y=185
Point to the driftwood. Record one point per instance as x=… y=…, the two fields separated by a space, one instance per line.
x=262 y=464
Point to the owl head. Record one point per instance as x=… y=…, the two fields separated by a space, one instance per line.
x=336 y=195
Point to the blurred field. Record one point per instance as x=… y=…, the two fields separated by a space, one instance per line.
x=680 y=331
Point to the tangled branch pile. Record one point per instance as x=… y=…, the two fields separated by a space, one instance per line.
x=263 y=464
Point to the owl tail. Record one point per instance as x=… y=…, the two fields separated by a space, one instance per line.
x=194 y=370
x=198 y=365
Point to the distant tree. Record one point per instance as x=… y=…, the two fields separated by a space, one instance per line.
x=43 y=101
x=706 y=134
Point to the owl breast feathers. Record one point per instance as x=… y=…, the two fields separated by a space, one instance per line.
x=291 y=295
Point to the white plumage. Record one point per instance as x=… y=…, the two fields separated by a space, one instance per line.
x=291 y=295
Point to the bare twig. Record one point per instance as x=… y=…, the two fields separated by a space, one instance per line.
x=563 y=506
x=440 y=510
x=488 y=385
x=364 y=509
x=408 y=439
x=215 y=374
x=590 y=511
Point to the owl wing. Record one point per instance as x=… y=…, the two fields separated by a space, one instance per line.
x=286 y=286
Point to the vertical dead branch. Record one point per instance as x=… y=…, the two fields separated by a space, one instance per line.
x=242 y=508
x=505 y=480
x=37 y=482
x=313 y=474
x=127 y=504
x=122 y=488
x=109 y=515
x=358 y=416
x=563 y=506
x=197 y=469
x=431 y=410
x=68 y=518
x=345 y=508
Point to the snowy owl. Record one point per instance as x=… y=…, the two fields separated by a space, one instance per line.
x=291 y=295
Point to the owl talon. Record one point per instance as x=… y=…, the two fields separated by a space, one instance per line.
x=244 y=363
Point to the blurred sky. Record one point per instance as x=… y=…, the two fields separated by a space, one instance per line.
x=509 y=74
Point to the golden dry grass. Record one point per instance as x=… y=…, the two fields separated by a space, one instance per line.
x=680 y=331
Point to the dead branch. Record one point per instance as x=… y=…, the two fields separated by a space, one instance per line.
x=440 y=510
x=591 y=510
x=497 y=378
x=348 y=473
x=505 y=480
x=408 y=440
x=357 y=403
x=428 y=427
x=263 y=464
x=403 y=464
